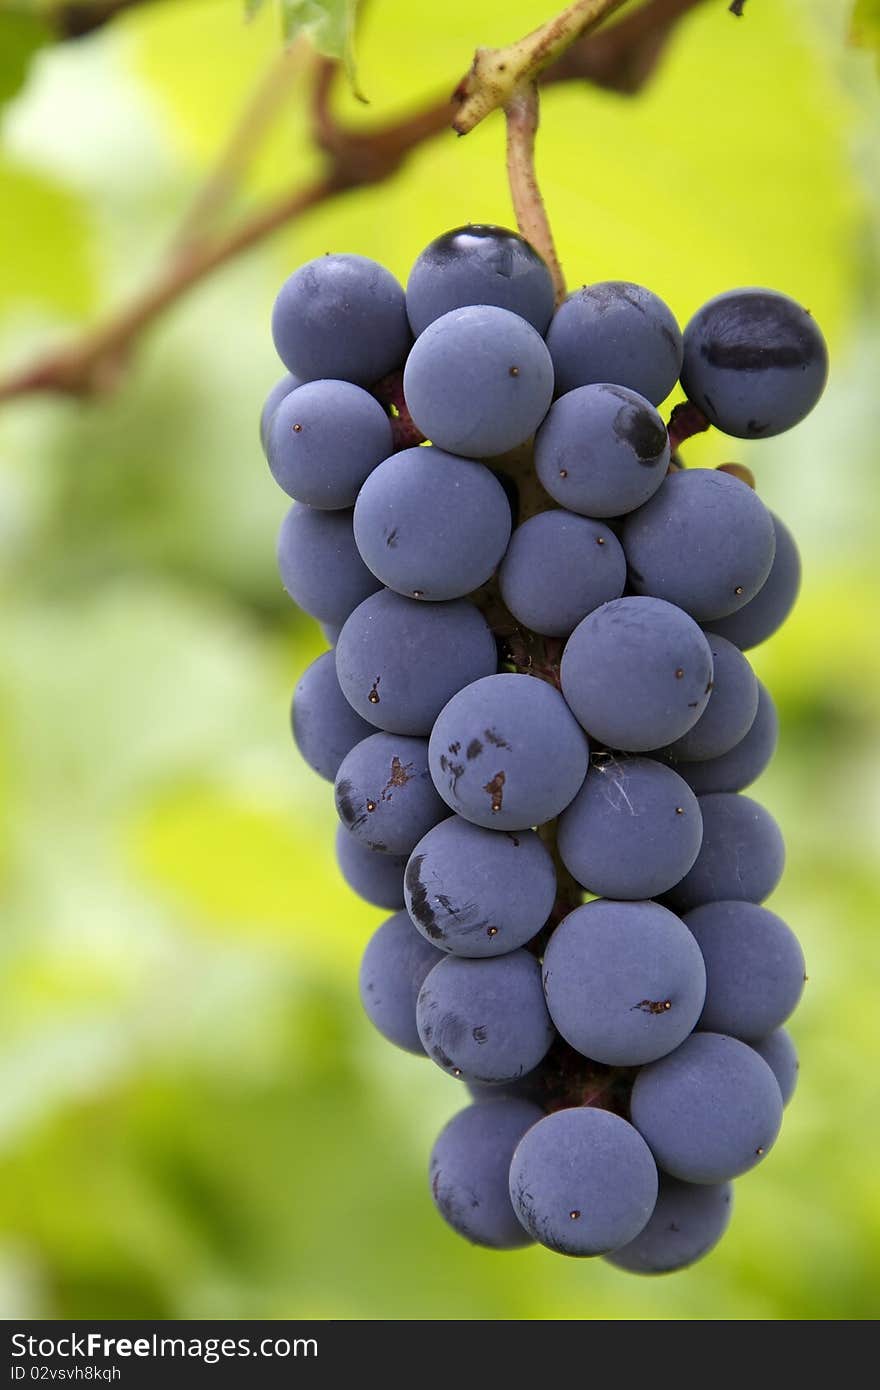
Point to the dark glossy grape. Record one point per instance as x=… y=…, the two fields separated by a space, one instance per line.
x=470 y=1168
x=478 y=381
x=633 y=830
x=624 y=981
x=602 y=451
x=710 y=1110
x=583 y=1182
x=399 y=661
x=637 y=673
x=734 y=771
x=616 y=331
x=755 y=362
x=506 y=753
x=384 y=793
x=431 y=525
x=392 y=972
x=686 y=1224
x=376 y=877
x=341 y=317
x=485 y=1020
x=731 y=711
x=476 y=892
x=479 y=264
x=319 y=563
x=754 y=968
x=705 y=541
x=767 y=611
x=558 y=568
x=742 y=855
x=325 y=727
x=324 y=440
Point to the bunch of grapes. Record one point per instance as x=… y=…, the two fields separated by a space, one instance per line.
x=540 y=722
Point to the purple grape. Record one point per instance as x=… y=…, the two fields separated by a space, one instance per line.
x=341 y=317
x=431 y=525
x=637 y=673
x=583 y=1182
x=705 y=541
x=506 y=753
x=384 y=794
x=616 y=331
x=479 y=264
x=478 y=381
x=399 y=661
x=602 y=451
x=558 y=568
x=470 y=1168
x=633 y=830
x=754 y=968
x=625 y=981
x=476 y=892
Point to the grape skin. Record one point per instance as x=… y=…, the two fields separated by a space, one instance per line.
x=603 y=450
x=325 y=727
x=376 y=877
x=478 y=381
x=730 y=713
x=384 y=794
x=476 y=892
x=763 y=615
x=392 y=972
x=399 y=661
x=479 y=264
x=469 y=1171
x=686 y=1224
x=633 y=830
x=709 y=1111
x=432 y=525
x=754 y=968
x=738 y=768
x=780 y=1054
x=324 y=440
x=319 y=563
x=558 y=567
x=341 y=317
x=637 y=673
x=506 y=753
x=741 y=858
x=704 y=541
x=755 y=362
x=282 y=388
x=624 y=981
x=485 y=1020
x=583 y=1182
x=616 y=331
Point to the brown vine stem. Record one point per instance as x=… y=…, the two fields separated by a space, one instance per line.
x=267 y=99
x=621 y=59
x=522 y=113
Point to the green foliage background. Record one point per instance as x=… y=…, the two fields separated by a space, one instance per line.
x=195 y=1119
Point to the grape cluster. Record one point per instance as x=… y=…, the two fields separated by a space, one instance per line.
x=539 y=720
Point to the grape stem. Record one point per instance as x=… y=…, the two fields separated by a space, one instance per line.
x=522 y=115
x=497 y=74
x=620 y=58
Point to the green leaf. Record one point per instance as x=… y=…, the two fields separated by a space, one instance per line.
x=21 y=34
x=330 y=25
x=865 y=26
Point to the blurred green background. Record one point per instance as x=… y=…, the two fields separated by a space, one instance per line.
x=195 y=1118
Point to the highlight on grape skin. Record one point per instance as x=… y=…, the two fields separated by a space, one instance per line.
x=536 y=691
